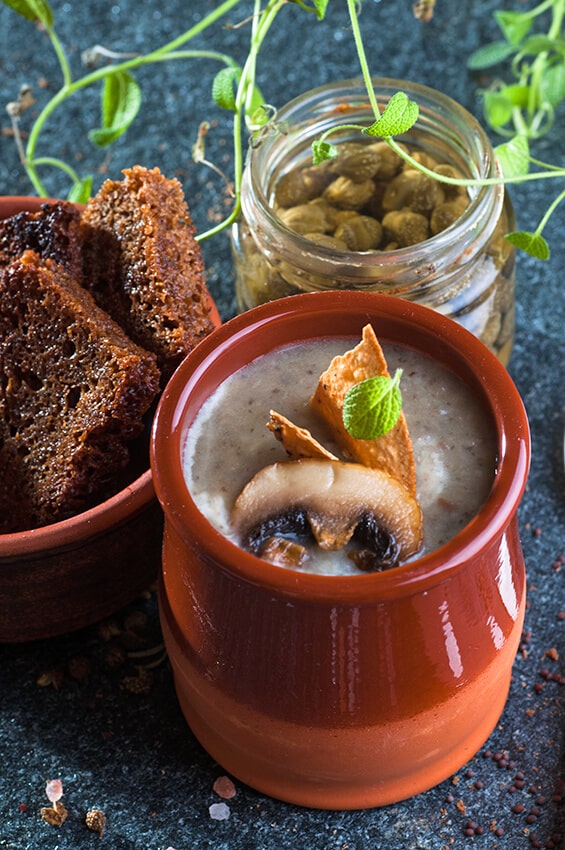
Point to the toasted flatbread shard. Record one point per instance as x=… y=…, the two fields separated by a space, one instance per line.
x=297 y=442
x=392 y=452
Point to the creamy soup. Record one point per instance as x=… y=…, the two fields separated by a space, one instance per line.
x=454 y=447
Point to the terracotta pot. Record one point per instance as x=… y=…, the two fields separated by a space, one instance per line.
x=73 y=573
x=330 y=691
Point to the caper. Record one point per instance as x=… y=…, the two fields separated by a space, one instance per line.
x=405 y=227
x=347 y=194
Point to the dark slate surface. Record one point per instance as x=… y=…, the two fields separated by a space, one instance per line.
x=68 y=706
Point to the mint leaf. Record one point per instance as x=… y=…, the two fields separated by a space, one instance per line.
x=532 y=243
x=80 y=191
x=514 y=25
x=33 y=10
x=553 y=84
x=223 y=87
x=489 y=55
x=322 y=150
x=514 y=157
x=372 y=407
x=121 y=100
x=399 y=115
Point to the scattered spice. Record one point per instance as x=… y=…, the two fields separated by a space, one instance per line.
x=96 y=821
x=56 y=814
x=224 y=787
x=219 y=811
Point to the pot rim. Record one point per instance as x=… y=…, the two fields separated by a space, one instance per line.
x=457 y=348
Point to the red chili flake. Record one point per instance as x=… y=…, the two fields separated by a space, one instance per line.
x=23 y=807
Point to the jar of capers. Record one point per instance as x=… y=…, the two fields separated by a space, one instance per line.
x=366 y=220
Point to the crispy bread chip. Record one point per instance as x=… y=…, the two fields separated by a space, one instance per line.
x=391 y=452
x=297 y=442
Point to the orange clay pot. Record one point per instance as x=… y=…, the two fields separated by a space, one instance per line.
x=328 y=691
x=75 y=572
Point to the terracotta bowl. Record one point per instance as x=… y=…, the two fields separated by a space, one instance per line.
x=73 y=573
x=342 y=691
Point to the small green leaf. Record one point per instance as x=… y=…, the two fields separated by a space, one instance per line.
x=489 y=55
x=532 y=243
x=121 y=100
x=323 y=150
x=80 y=191
x=514 y=25
x=372 y=407
x=224 y=86
x=399 y=115
x=497 y=108
x=553 y=84
x=33 y=10
x=539 y=44
x=514 y=157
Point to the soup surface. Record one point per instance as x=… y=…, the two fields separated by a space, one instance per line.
x=453 y=441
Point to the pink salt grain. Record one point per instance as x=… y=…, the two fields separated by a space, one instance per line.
x=54 y=790
x=224 y=788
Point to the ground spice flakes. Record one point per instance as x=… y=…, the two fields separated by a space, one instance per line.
x=96 y=821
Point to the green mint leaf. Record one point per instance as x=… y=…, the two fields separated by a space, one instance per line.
x=399 y=115
x=532 y=243
x=489 y=55
x=121 y=100
x=514 y=25
x=497 y=108
x=33 y=10
x=499 y=104
x=224 y=86
x=80 y=191
x=553 y=84
x=322 y=150
x=536 y=44
x=514 y=157
x=372 y=407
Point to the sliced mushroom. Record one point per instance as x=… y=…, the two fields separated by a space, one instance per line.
x=333 y=497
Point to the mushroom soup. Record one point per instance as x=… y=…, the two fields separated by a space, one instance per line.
x=228 y=443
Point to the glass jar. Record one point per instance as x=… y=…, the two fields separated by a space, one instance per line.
x=466 y=271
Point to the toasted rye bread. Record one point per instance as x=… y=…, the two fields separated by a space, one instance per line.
x=53 y=232
x=391 y=452
x=143 y=265
x=73 y=390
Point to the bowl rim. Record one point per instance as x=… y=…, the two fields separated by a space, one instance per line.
x=490 y=378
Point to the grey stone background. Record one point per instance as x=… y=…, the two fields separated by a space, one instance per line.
x=68 y=708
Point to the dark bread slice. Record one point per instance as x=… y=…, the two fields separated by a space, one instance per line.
x=144 y=266
x=73 y=391
x=53 y=232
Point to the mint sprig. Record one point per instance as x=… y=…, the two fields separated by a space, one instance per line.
x=371 y=408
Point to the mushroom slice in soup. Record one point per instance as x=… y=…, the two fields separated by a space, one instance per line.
x=326 y=499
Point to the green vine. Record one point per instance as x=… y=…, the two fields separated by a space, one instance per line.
x=234 y=88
